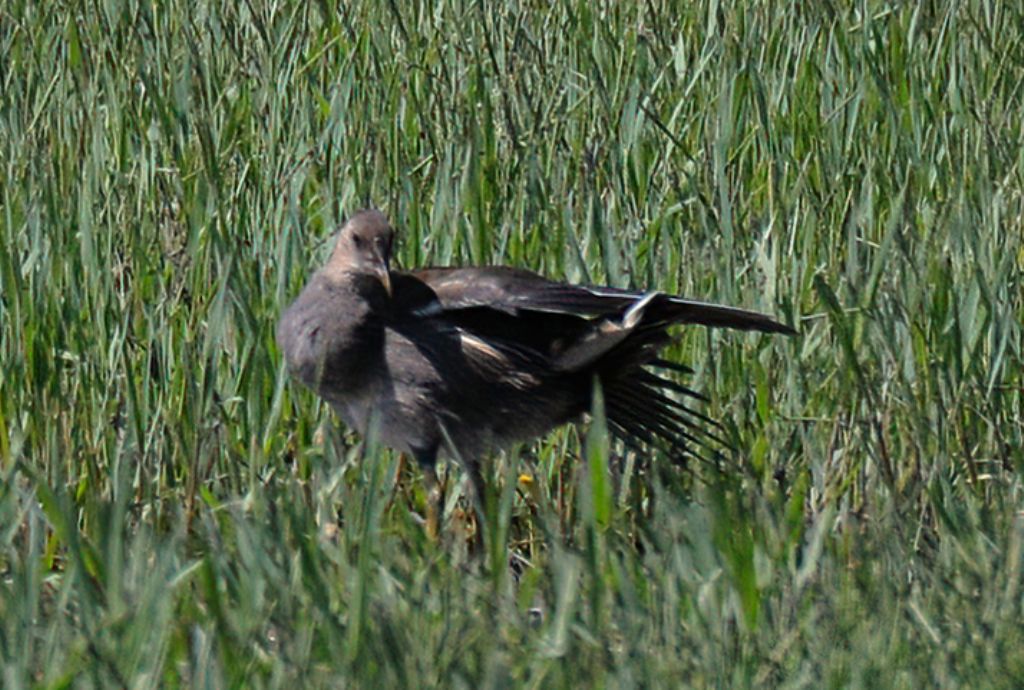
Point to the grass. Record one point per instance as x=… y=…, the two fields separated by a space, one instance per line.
x=174 y=513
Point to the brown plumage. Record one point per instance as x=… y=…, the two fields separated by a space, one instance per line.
x=470 y=359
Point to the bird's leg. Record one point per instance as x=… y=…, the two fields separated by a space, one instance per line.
x=427 y=460
x=435 y=502
x=397 y=481
x=478 y=499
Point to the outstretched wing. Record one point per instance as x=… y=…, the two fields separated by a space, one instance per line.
x=488 y=308
x=513 y=290
x=583 y=331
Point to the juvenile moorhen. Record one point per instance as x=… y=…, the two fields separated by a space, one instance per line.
x=469 y=359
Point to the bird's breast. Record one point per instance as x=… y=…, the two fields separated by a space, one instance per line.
x=330 y=342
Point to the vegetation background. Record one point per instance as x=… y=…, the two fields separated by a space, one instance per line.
x=174 y=513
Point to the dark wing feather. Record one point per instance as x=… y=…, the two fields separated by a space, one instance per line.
x=585 y=331
x=512 y=290
x=488 y=307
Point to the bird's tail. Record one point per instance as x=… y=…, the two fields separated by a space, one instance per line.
x=643 y=405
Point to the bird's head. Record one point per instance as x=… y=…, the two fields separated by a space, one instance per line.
x=364 y=247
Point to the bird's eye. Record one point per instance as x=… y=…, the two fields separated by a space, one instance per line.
x=357 y=241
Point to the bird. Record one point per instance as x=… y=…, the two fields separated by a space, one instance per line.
x=467 y=360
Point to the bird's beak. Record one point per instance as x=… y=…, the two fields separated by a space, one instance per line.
x=383 y=271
